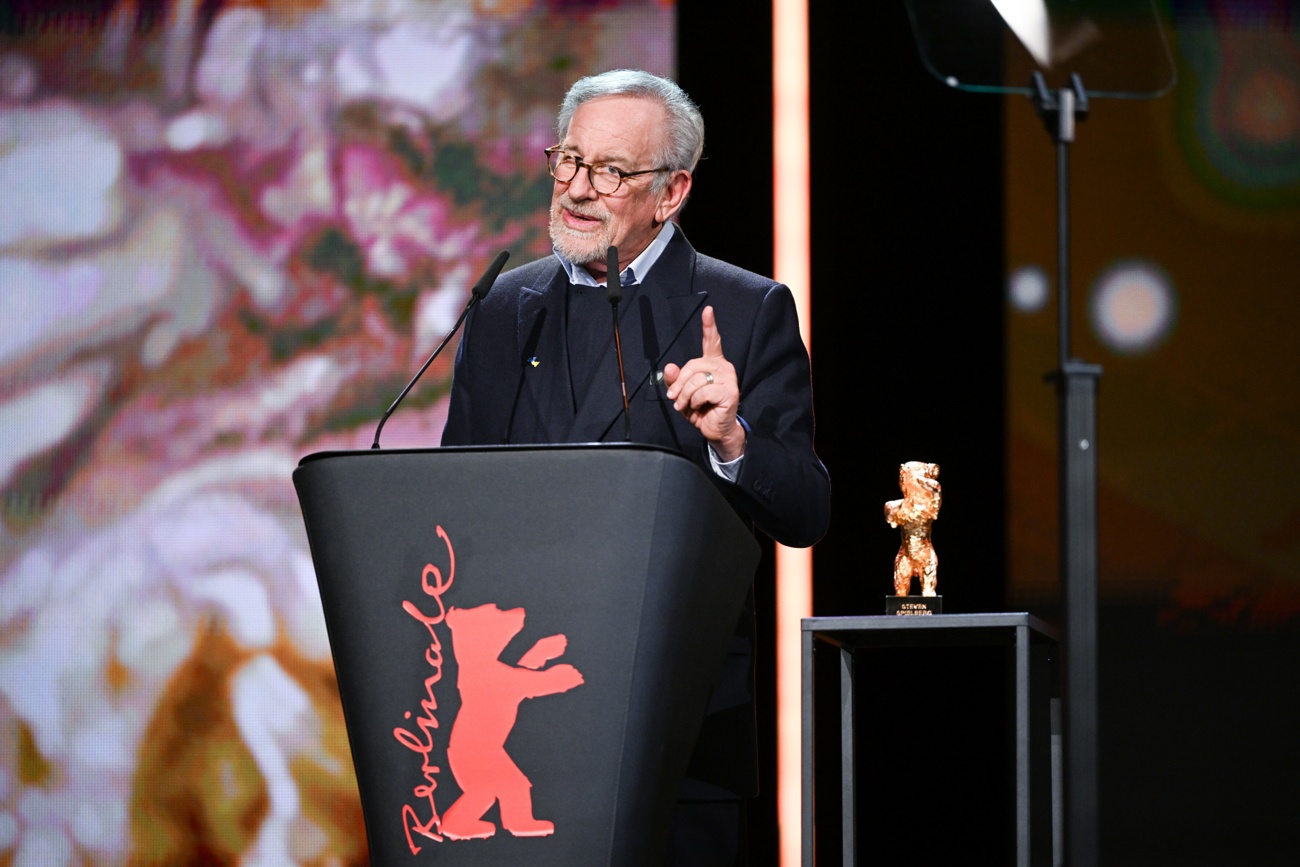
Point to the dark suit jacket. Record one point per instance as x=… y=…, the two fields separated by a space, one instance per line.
x=511 y=385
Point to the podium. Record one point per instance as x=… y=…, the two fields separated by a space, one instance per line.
x=522 y=630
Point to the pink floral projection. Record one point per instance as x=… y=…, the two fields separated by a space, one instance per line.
x=231 y=232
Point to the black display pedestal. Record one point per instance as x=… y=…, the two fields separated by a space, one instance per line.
x=1033 y=645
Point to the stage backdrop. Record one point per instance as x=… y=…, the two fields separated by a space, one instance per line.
x=230 y=232
x=1186 y=242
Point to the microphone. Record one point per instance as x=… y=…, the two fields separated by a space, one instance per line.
x=614 y=292
x=613 y=282
x=476 y=294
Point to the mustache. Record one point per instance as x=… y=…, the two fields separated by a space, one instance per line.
x=588 y=211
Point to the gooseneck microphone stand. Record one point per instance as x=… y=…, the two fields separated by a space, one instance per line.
x=1076 y=388
x=476 y=294
x=614 y=292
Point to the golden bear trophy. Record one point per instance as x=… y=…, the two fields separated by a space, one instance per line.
x=914 y=514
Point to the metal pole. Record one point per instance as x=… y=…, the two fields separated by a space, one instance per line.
x=1076 y=384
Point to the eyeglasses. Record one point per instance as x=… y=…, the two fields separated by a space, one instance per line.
x=605 y=179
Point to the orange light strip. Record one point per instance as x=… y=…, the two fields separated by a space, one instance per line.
x=790 y=204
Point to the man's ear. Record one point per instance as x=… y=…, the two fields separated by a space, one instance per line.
x=674 y=195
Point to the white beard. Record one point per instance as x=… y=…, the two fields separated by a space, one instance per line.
x=580 y=248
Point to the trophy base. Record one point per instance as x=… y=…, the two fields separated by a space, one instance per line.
x=913 y=606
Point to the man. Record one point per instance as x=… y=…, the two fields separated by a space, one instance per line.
x=537 y=365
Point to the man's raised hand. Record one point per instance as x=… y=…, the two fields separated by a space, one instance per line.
x=706 y=392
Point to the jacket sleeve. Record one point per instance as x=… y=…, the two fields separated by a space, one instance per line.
x=458 y=431
x=782 y=485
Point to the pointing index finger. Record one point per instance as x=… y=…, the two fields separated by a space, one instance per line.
x=712 y=339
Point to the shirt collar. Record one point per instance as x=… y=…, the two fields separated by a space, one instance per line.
x=635 y=272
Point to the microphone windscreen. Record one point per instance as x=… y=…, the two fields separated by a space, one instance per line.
x=613 y=286
x=490 y=275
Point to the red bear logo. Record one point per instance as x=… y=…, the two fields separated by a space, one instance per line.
x=490 y=693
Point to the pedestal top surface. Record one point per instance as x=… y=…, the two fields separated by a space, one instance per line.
x=938 y=628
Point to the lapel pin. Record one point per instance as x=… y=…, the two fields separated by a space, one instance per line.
x=534 y=361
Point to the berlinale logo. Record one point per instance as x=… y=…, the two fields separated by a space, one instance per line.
x=491 y=691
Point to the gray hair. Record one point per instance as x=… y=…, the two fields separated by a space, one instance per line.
x=685 y=129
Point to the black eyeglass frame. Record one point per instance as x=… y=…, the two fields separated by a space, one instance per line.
x=579 y=163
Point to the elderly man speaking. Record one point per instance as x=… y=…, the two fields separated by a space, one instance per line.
x=733 y=394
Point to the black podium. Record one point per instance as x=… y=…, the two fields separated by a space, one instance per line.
x=447 y=576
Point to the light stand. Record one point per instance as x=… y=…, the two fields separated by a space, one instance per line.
x=1076 y=386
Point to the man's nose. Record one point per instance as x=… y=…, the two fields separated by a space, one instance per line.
x=580 y=187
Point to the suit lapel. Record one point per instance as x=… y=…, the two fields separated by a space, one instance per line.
x=543 y=409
